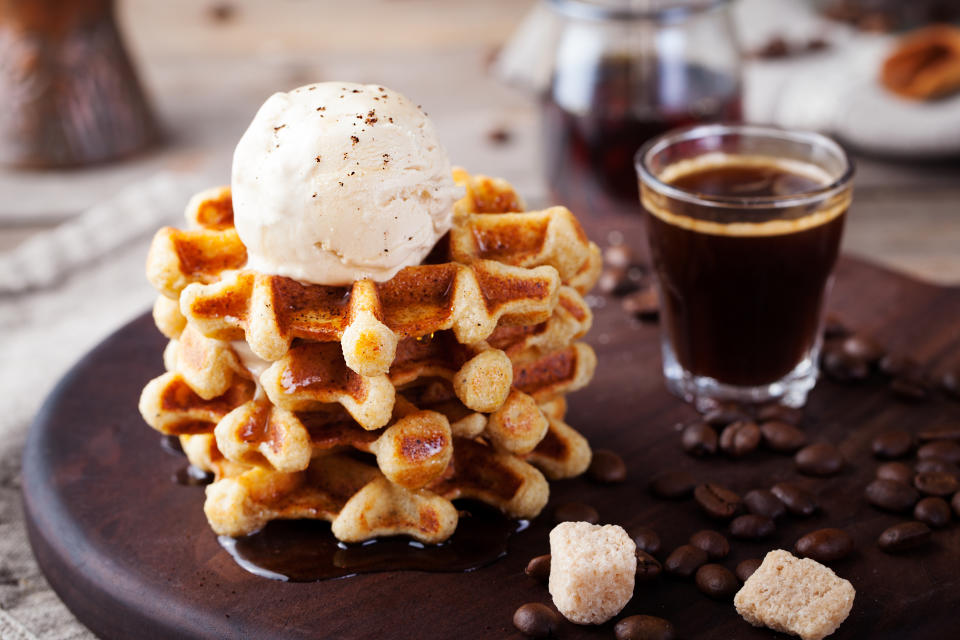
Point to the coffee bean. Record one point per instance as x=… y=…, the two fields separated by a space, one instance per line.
x=798 y=500
x=673 y=485
x=716 y=501
x=955 y=504
x=892 y=444
x=891 y=495
x=648 y=567
x=536 y=620
x=699 y=439
x=942 y=449
x=725 y=414
x=752 y=527
x=825 y=545
x=740 y=438
x=842 y=368
x=896 y=471
x=763 y=503
x=909 y=388
x=575 y=512
x=819 y=459
x=685 y=560
x=780 y=413
x=717 y=581
x=712 y=542
x=610 y=280
x=746 y=568
x=782 y=437
x=940 y=433
x=646 y=539
x=862 y=347
x=643 y=303
x=539 y=568
x=935 y=465
x=607 y=467
x=934 y=512
x=904 y=536
x=895 y=365
x=936 y=483
x=834 y=327
x=950 y=381
x=644 y=628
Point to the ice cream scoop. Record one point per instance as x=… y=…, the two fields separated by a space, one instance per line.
x=335 y=182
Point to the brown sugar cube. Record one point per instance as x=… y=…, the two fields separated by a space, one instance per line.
x=796 y=596
x=592 y=570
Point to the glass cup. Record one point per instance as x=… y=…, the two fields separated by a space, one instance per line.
x=744 y=226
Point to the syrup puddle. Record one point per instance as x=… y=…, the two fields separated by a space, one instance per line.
x=306 y=551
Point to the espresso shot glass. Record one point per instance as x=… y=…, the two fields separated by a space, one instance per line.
x=744 y=225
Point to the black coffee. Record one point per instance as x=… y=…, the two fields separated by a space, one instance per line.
x=741 y=302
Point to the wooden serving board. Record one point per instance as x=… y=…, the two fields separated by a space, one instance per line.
x=131 y=554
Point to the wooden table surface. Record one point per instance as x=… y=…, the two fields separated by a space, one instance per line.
x=209 y=74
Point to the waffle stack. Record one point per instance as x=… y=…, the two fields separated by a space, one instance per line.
x=373 y=406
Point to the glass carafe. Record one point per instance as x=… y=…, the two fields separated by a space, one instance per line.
x=623 y=72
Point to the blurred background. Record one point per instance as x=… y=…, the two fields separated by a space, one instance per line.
x=114 y=113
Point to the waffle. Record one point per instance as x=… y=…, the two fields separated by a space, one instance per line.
x=361 y=503
x=374 y=405
x=493 y=269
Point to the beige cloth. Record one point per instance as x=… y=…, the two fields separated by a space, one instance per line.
x=61 y=292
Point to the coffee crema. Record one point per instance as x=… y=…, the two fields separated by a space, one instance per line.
x=743 y=259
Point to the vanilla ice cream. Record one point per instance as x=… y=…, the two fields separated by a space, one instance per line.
x=335 y=182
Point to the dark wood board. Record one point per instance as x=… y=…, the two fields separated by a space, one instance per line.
x=131 y=554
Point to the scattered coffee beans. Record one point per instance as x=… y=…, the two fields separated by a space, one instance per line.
x=864 y=348
x=909 y=387
x=644 y=628
x=896 y=471
x=646 y=539
x=798 y=500
x=648 y=567
x=948 y=450
x=782 y=437
x=825 y=545
x=716 y=581
x=617 y=256
x=539 y=568
x=644 y=303
x=819 y=459
x=833 y=327
x=536 y=620
x=685 y=560
x=575 y=512
x=892 y=444
x=746 y=568
x=904 y=536
x=740 y=438
x=933 y=512
x=955 y=504
x=752 y=527
x=780 y=413
x=936 y=483
x=716 y=501
x=607 y=467
x=891 y=495
x=699 y=439
x=763 y=503
x=894 y=365
x=673 y=485
x=712 y=542
x=950 y=381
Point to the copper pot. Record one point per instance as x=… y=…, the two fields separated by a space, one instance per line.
x=69 y=94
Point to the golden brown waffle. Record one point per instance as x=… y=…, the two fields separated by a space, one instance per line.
x=361 y=503
x=495 y=268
